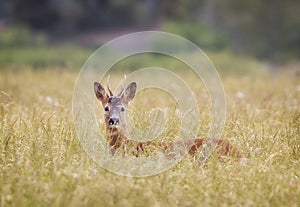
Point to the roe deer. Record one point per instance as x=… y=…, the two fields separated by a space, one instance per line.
x=114 y=111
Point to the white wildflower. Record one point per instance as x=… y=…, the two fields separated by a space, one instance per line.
x=52 y=101
x=240 y=95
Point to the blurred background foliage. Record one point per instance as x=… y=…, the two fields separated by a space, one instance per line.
x=63 y=33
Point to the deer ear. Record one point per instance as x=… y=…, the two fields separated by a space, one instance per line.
x=100 y=92
x=129 y=93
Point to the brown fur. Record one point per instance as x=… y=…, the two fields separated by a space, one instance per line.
x=224 y=148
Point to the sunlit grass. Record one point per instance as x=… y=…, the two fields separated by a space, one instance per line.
x=43 y=164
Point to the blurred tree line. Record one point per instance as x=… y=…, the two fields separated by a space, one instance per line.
x=268 y=29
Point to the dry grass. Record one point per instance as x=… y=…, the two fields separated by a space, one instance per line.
x=43 y=164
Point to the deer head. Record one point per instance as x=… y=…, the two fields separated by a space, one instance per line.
x=115 y=105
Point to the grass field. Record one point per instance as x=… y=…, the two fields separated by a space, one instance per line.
x=43 y=164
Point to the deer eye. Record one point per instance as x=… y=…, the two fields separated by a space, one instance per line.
x=106 y=108
x=122 y=109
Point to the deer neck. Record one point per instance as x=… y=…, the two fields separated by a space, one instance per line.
x=116 y=136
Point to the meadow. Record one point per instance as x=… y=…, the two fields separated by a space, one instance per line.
x=43 y=163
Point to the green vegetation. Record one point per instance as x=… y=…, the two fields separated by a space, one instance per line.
x=43 y=164
x=200 y=34
x=70 y=57
x=268 y=30
x=24 y=49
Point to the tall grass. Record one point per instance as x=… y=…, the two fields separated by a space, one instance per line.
x=43 y=164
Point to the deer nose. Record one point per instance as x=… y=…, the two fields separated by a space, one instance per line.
x=113 y=121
